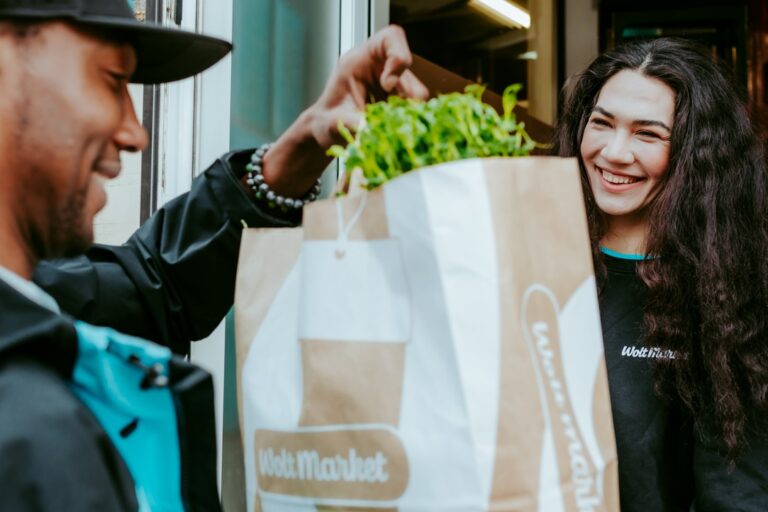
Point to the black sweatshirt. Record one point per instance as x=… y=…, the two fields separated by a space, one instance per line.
x=663 y=464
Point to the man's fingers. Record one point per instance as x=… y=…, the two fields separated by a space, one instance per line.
x=351 y=119
x=411 y=87
x=396 y=77
x=391 y=47
x=380 y=64
x=347 y=116
x=394 y=67
x=391 y=42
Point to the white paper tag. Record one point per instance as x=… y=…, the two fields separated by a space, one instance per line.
x=354 y=291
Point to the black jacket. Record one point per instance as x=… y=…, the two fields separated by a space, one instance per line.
x=172 y=282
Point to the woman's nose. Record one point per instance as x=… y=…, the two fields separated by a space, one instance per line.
x=618 y=149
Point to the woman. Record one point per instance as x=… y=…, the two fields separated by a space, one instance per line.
x=676 y=188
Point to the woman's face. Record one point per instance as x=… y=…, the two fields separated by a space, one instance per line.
x=625 y=147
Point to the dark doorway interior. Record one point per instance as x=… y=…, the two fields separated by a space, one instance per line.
x=461 y=39
x=736 y=32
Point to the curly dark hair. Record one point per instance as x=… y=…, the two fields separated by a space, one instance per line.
x=708 y=230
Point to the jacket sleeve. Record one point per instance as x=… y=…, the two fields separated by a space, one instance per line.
x=174 y=280
x=742 y=486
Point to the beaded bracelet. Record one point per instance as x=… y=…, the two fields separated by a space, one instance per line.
x=267 y=196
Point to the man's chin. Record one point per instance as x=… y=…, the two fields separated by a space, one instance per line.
x=70 y=231
x=75 y=250
x=72 y=245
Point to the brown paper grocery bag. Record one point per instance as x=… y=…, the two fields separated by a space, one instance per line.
x=432 y=345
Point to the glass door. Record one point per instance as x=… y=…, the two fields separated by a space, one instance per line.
x=284 y=53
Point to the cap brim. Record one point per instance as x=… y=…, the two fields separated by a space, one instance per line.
x=164 y=54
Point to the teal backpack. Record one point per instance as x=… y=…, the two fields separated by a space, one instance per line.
x=157 y=409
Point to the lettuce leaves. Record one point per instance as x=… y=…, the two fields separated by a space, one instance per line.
x=399 y=135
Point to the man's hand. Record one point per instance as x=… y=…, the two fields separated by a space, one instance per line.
x=380 y=65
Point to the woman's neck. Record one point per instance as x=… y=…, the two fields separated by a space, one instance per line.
x=626 y=235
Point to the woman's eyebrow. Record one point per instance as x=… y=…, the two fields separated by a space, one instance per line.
x=642 y=122
x=647 y=122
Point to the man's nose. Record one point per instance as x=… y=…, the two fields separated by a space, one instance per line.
x=618 y=149
x=131 y=135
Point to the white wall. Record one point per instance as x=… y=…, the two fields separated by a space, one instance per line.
x=115 y=223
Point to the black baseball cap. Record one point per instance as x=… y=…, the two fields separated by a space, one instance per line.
x=163 y=54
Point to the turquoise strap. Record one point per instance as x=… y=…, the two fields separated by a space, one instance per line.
x=107 y=378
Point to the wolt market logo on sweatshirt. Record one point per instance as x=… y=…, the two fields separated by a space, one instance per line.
x=634 y=352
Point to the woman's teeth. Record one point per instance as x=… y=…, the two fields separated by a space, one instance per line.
x=618 y=180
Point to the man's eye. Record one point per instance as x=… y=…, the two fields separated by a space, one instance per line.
x=117 y=79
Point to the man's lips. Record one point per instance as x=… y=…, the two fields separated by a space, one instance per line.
x=615 y=178
x=108 y=168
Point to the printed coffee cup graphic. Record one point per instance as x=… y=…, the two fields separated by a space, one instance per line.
x=346 y=452
x=574 y=465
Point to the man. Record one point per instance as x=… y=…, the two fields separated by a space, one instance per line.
x=64 y=70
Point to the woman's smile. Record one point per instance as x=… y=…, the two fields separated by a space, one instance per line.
x=614 y=180
x=625 y=147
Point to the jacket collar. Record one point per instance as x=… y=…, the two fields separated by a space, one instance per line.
x=31 y=330
x=29 y=289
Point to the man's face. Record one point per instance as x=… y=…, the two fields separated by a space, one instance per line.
x=67 y=117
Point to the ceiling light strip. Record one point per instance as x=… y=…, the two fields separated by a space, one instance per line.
x=506 y=10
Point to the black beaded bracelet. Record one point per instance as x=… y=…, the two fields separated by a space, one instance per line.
x=266 y=196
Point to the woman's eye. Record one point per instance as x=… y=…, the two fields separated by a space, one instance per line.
x=645 y=133
x=600 y=122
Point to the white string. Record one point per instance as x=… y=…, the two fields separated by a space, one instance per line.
x=344 y=231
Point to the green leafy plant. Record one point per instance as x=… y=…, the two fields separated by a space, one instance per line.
x=399 y=135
